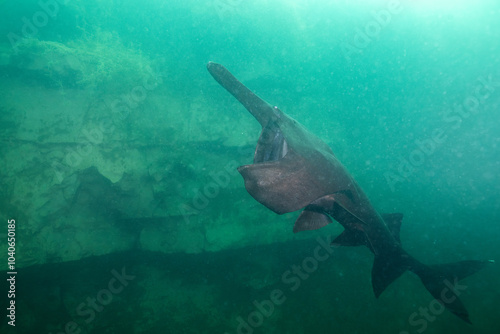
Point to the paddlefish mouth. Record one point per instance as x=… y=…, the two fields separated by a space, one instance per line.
x=272 y=145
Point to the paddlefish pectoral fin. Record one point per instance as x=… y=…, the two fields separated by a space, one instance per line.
x=317 y=214
x=311 y=220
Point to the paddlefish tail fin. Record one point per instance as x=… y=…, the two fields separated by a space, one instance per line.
x=442 y=281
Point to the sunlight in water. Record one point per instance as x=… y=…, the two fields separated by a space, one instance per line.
x=441 y=5
x=420 y=5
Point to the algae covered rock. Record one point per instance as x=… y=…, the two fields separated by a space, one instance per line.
x=99 y=61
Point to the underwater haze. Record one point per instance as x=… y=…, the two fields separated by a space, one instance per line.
x=119 y=188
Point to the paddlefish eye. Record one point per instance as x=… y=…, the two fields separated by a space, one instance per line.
x=277 y=111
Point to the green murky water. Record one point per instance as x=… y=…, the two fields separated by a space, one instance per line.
x=119 y=155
